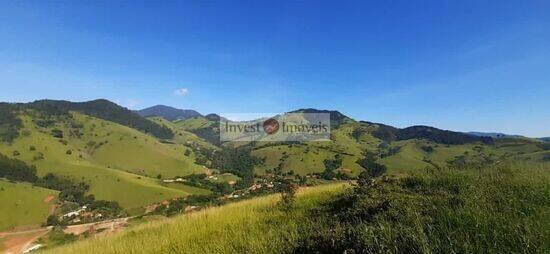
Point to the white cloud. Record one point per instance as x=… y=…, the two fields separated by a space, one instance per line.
x=181 y=92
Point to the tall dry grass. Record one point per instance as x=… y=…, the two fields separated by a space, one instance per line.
x=252 y=226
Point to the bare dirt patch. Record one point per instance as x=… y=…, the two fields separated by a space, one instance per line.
x=49 y=198
x=18 y=243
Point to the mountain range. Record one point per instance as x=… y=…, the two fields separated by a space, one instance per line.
x=123 y=156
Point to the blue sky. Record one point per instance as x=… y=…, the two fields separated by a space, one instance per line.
x=459 y=65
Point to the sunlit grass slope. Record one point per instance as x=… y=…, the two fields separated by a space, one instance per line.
x=411 y=157
x=252 y=226
x=119 y=163
x=309 y=158
x=22 y=204
x=128 y=149
x=181 y=135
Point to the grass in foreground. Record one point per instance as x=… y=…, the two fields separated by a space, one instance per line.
x=498 y=209
x=252 y=226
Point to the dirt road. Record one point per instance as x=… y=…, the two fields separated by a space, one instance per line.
x=18 y=242
x=15 y=242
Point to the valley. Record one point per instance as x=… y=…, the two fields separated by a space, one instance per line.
x=101 y=167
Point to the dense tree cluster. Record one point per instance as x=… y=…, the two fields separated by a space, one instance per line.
x=201 y=181
x=372 y=167
x=389 y=133
x=210 y=134
x=16 y=170
x=439 y=136
x=236 y=161
x=9 y=123
x=330 y=166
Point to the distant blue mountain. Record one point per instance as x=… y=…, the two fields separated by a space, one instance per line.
x=168 y=113
x=493 y=134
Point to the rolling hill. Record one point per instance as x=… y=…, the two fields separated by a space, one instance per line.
x=102 y=109
x=123 y=156
x=168 y=113
x=410 y=148
x=118 y=162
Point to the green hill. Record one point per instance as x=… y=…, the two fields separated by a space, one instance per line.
x=119 y=163
x=120 y=156
x=182 y=133
x=101 y=108
x=399 y=150
x=168 y=113
x=23 y=204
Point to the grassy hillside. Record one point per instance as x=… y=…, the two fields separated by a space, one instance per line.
x=23 y=204
x=182 y=135
x=102 y=109
x=495 y=209
x=119 y=163
x=123 y=164
x=352 y=140
x=252 y=226
x=167 y=112
x=203 y=127
x=400 y=150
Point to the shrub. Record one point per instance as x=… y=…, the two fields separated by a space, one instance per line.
x=39 y=156
x=57 y=133
x=58 y=237
x=53 y=220
x=288 y=195
x=497 y=210
x=427 y=149
x=372 y=167
x=330 y=166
